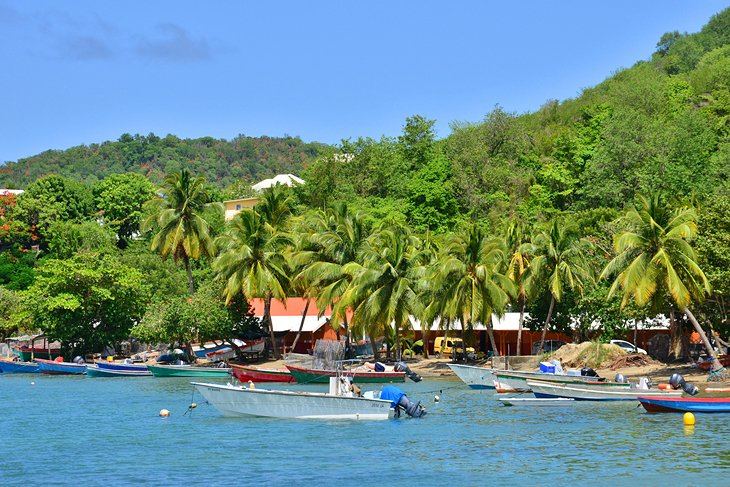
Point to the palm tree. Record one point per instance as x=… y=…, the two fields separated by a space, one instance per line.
x=183 y=232
x=383 y=287
x=252 y=263
x=655 y=261
x=519 y=262
x=559 y=262
x=469 y=272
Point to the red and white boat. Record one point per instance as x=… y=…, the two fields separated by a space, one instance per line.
x=245 y=373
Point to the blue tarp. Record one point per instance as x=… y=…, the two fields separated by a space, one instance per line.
x=392 y=394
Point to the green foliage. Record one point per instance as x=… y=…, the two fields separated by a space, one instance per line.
x=17 y=269
x=10 y=305
x=87 y=302
x=66 y=239
x=119 y=199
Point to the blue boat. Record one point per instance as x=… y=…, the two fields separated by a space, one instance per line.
x=13 y=367
x=60 y=368
x=686 y=404
x=122 y=366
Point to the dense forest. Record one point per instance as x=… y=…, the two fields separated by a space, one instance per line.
x=607 y=207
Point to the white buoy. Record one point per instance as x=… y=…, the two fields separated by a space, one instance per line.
x=436 y=398
x=164 y=413
x=32 y=383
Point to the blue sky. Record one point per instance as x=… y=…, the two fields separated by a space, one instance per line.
x=80 y=72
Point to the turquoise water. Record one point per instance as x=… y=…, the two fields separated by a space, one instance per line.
x=77 y=430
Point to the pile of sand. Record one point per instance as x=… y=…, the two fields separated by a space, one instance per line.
x=588 y=354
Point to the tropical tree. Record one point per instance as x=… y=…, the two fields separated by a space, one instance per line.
x=559 y=261
x=655 y=261
x=181 y=229
x=252 y=263
x=383 y=290
x=519 y=262
x=119 y=198
x=470 y=272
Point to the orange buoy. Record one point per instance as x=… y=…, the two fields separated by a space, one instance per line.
x=665 y=387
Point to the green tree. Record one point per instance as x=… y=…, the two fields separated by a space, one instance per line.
x=86 y=302
x=181 y=229
x=655 y=261
x=119 y=199
x=559 y=262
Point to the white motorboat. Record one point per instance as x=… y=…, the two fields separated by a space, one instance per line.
x=475 y=377
x=516 y=381
x=535 y=401
x=341 y=402
x=589 y=392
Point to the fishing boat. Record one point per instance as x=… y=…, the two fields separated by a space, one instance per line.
x=516 y=381
x=16 y=367
x=245 y=373
x=342 y=401
x=685 y=404
x=123 y=366
x=188 y=371
x=593 y=392
x=54 y=367
x=28 y=353
x=306 y=376
x=535 y=401
x=94 y=370
x=707 y=364
x=475 y=377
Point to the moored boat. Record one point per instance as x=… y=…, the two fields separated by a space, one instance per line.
x=306 y=376
x=245 y=373
x=122 y=366
x=341 y=402
x=592 y=392
x=54 y=367
x=535 y=401
x=28 y=353
x=685 y=404
x=15 y=367
x=707 y=364
x=188 y=371
x=93 y=370
x=475 y=377
x=516 y=381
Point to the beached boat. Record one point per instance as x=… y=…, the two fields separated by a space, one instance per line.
x=535 y=401
x=592 y=392
x=475 y=377
x=188 y=371
x=124 y=366
x=15 y=367
x=506 y=381
x=93 y=370
x=306 y=376
x=245 y=373
x=341 y=402
x=686 y=404
x=54 y=367
x=28 y=353
x=707 y=364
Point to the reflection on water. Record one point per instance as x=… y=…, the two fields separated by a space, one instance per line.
x=70 y=430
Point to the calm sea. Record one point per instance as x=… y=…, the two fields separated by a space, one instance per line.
x=79 y=430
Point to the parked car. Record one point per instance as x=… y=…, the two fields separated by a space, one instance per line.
x=549 y=346
x=628 y=346
x=445 y=346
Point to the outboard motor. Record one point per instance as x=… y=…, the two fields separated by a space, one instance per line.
x=79 y=360
x=620 y=379
x=400 y=401
x=402 y=367
x=588 y=372
x=677 y=381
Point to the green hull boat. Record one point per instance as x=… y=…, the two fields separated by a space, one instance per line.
x=188 y=371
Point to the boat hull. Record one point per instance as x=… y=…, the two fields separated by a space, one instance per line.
x=535 y=401
x=121 y=366
x=475 y=377
x=586 y=392
x=686 y=404
x=96 y=371
x=245 y=373
x=52 y=367
x=307 y=376
x=516 y=381
x=10 y=367
x=239 y=401
x=187 y=371
x=27 y=354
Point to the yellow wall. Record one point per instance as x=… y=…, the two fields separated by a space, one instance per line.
x=233 y=207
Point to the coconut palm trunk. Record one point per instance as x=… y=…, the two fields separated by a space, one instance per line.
x=490 y=332
x=189 y=270
x=716 y=366
x=301 y=325
x=270 y=325
x=520 y=324
x=547 y=324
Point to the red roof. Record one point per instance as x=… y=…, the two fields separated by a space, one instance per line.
x=293 y=307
